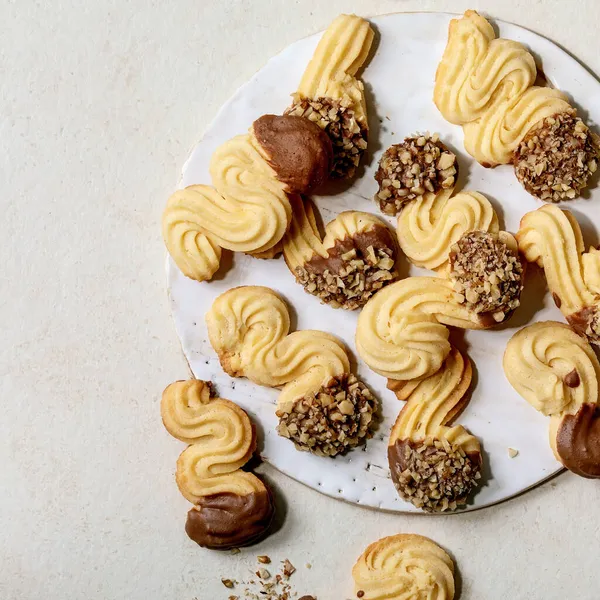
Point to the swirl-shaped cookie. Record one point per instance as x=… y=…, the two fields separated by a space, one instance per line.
x=231 y=507
x=401 y=331
x=434 y=466
x=322 y=406
x=247 y=209
x=404 y=567
x=552 y=238
x=330 y=95
x=356 y=257
x=487 y=85
x=557 y=372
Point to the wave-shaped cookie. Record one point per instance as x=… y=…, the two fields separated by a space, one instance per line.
x=401 y=331
x=356 y=257
x=322 y=407
x=404 y=567
x=552 y=238
x=330 y=95
x=231 y=507
x=486 y=84
x=247 y=209
x=433 y=465
x=557 y=372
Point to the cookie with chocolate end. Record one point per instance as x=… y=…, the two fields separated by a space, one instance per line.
x=419 y=165
x=435 y=466
x=355 y=258
x=323 y=408
x=330 y=94
x=557 y=158
x=557 y=372
x=551 y=238
x=232 y=507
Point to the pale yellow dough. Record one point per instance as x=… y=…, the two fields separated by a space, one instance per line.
x=537 y=362
x=431 y=224
x=433 y=403
x=221 y=439
x=249 y=329
x=552 y=238
x=401 y=331
x=404 y=567
x=303 y=239
x=340 y=54
x=247 y=210
x=486 y=85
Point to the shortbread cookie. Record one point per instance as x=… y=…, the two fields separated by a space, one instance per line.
x=356 y=257
x=231 y=507
x=419 y=165
x=404 y=567
x=248 y=209
x=331 y=96
x=401 y=332
x=557 y=157
x=418 y=179
x=435 y=466
x=486 y=85
x=486 y=273
x=552 y=238
x=322 y=407
x=557 y=372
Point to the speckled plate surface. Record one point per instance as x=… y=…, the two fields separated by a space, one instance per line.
x=399 y=80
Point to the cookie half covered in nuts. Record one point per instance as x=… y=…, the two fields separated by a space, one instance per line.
x=557 y=157
x=417 y=166
x=356 y=257
x=331 y=420
x=330 y=94
x=323 y=407
x=487 y=273
x=435 y=466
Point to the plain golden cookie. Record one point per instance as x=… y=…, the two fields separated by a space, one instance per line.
x=404 y=567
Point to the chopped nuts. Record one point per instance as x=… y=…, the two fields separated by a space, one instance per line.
x=410 y=169
x=288 y=568
x=350 y=276
x=512 y=452
x=557 y=157
x=227 y=583
x=435 y=475
x=486 y=274
x=337 y=119
x=263 y=559
x=322 y=422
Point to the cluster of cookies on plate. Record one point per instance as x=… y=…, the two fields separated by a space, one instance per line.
x=258 y=204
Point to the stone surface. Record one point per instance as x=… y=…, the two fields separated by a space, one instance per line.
x=100 y=104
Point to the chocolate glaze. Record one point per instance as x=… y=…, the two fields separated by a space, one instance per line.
x=226 y=520
x=378 y=236
x=572 y=379
x=578 y=441
x=297 y=149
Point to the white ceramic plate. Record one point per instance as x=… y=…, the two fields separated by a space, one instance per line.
x=399 y=80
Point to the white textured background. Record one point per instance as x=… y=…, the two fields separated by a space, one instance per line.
x=100 y=103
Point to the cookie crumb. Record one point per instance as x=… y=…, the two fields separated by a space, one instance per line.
x=308 y=566
x=512 y=452
x=235 y=551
